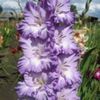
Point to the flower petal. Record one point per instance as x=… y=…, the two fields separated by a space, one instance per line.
x=33 y=23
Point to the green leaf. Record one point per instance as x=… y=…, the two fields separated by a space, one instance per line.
x=86 y=56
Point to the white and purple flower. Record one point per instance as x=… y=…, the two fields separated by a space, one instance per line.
x=68 y=68
x=35 y=23
x=60 y=11
x=64 y=40
x=33 y=86
x=51 y=56
x=36 y=56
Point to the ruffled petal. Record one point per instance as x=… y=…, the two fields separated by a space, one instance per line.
x=60 y=10
x=67 y=94
x=68 y=68
x=26 y=45
x=29 y=64
x=64 y=40
x=24 y=90
x=34 y=23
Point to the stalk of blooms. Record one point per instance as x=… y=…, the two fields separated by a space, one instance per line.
x=49 y=64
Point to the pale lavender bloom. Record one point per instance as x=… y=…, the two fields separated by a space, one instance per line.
x=67 y=94
x=44 y=90
x=62 y=79
x=34 y=23
x=30 y=78
x=36 y=57
x=68 y=68
x=35 y=64
x=33 y=86
x=64 y=40
x=66 y=80
x=60 y=10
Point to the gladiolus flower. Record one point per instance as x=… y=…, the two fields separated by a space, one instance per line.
x=50 y=54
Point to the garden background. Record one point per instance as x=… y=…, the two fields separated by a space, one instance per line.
x=86 y=34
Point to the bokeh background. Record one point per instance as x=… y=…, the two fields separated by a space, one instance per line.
x=86 y=33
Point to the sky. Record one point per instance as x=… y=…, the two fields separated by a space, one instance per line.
x=94 y=9
x=80 y=4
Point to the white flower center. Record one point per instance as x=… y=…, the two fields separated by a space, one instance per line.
x=39 y=54
x=35 y=29
x=35 y=81
x=36 y=61
x=61 y=15
x=38 y=83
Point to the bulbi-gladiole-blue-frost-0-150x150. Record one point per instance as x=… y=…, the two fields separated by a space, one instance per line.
x=49 y=64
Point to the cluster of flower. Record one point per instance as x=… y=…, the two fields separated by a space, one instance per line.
x=81 y=38
x=50 y=54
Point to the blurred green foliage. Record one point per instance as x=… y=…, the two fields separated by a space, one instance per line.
x=9 y=75
x=90 y=87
